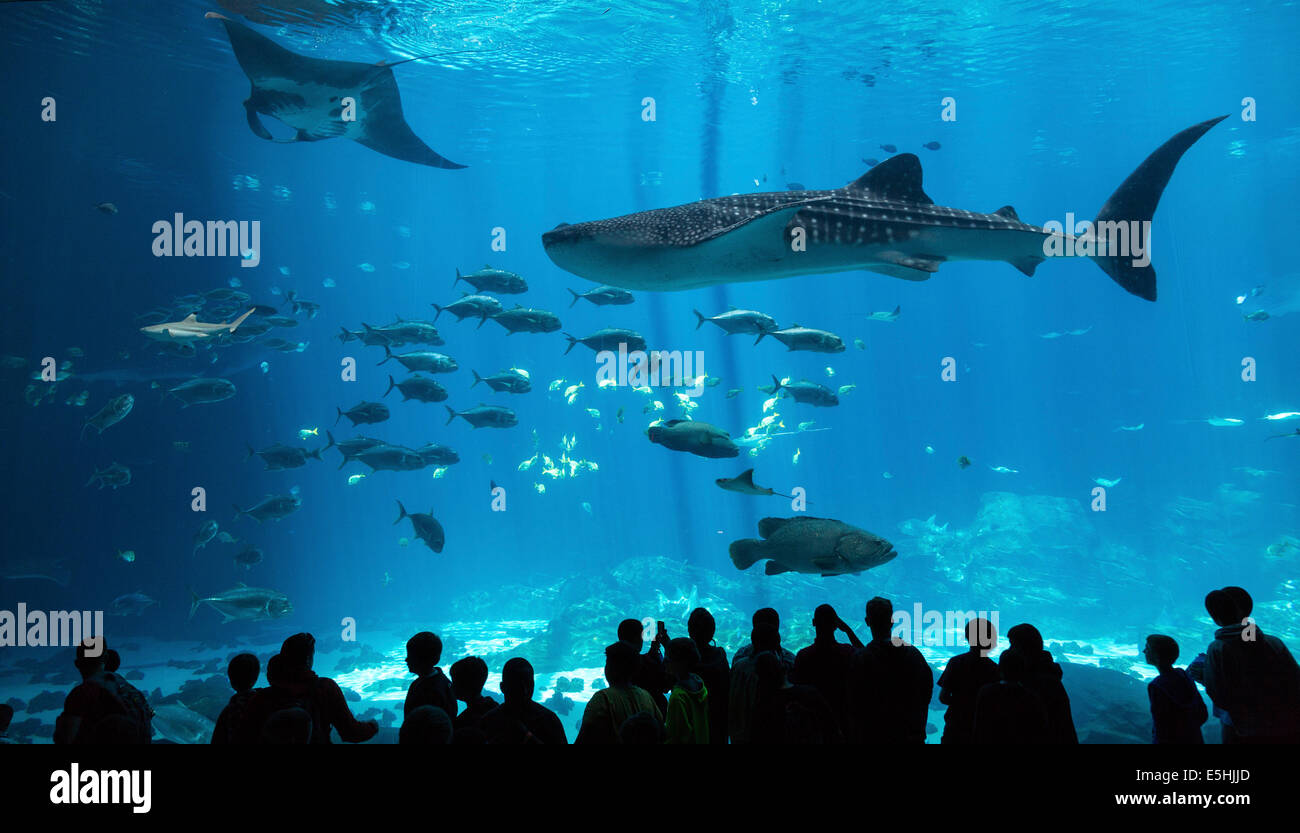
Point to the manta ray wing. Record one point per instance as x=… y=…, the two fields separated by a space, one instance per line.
x=306 y=94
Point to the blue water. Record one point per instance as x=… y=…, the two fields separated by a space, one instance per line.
x=1056 y=103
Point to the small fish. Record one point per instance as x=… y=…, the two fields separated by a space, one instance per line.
x=328 y=283
x=886 y=316
x=619 y=416
x=963 y=462
x=1003 y=470
x=889 y=148
x=929 y=449
x=795 y=459
x=860 y=344
x=1225 y=422
x=307 y=433
x=847 y=389
x=387 y=580
x=1257 y=315
x=439 y=472
x=126 y=555
x=931 y=145
x=830 y=371
x=181 y=445
x=586 y=507
x=1293 y=435
x=887 y=475
x=107 y=208
x=870 y=163
x=355 y=479
x=1282 y=416
x=1101 y=481
x=734 y=392
x=1137 y=427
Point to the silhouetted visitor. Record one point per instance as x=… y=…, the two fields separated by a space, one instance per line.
x=468 y=676
x=824 y=664
x=713 y=670
x=1177 y=710
x=785 y=713
x=1043 y=677
x=764 y=638
x=293 y=684
x=688 y=704
x=430 y=686
x=112 y=660
x=765 y=616
x=287 y=727
x=962 y=679
x=425 y=725
x=6 y=716
x=242 y=671
x=518 y=719
x=1008 y=711
x=104 y=708
x=1249 y=675
x=650 y=673
x=642 y=729
x=610 y=707
x=889 y=685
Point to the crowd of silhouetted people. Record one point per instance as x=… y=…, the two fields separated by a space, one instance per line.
x=685 y=690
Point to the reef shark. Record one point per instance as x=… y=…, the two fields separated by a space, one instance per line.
x=881 y=222
x=308 y=95
x=191 y=328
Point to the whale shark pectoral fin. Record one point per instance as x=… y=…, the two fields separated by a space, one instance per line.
x=758 y=230
x=906 y=268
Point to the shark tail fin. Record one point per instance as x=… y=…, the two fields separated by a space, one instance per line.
x=745 y=552
x=1128 y=212
x=240 y=320
x=403 y=515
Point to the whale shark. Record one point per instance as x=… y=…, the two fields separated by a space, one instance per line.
x=308 y=95
x=882 y=222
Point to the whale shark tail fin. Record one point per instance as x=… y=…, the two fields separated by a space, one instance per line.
x=1124 y=222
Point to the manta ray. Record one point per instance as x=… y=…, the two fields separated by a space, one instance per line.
x=307 y=94
x=881 y=222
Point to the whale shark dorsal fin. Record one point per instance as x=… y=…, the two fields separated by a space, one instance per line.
x=1008 y=212
x=897 y=178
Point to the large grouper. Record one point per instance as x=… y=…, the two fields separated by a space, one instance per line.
x=821 y=546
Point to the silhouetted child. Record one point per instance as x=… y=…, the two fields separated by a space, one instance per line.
x=426 y=725
x=1043 y=677
x=713 y=669
x=962 y=679
x=431 y=687
x=242 y=672
x=468 y=676
x=1177 y=710
x=1008 y=711
x=789 y=714
x=642 y=729
x=649 y=674
x=688 y=702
